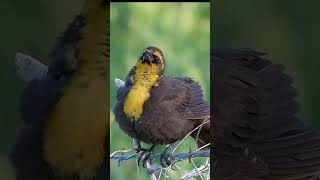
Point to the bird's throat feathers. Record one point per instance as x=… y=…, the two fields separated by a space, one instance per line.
x=146 y=76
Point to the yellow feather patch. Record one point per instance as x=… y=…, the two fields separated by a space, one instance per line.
x=145 y=77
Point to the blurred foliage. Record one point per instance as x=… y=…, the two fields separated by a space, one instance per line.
x=182 y=32
x=287 y=30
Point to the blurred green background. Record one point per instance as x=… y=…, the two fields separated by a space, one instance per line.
x=30 y=27
x=182 y=32
x=288 y=30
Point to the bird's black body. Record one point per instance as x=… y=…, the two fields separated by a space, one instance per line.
x=255 y=131
x=173 y=110
x=175 y=107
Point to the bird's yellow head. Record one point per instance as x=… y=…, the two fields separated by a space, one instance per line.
x=152 y=58
x=148 y=71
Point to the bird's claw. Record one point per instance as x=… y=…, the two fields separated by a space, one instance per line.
x=165 y=158
x=145 y=154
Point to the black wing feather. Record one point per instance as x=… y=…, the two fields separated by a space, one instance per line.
x=255 y=123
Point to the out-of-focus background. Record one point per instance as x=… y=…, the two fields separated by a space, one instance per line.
x=182 y=32
x=288 y=30
x=29 y=27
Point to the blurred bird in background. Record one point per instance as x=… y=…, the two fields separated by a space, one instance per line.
x=65 y=105
x=255 y=132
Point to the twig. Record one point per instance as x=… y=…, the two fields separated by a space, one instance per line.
x=204 y=146
x=206 y=121
x=200 y=128
x=152 y=170
x=196 y=172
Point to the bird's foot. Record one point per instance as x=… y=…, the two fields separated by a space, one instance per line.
x=137 y=144
x=165 y=158
x=145 y=155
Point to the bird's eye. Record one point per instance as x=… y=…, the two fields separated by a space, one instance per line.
x=156 y=59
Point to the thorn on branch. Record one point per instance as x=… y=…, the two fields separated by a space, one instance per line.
x=179 y=156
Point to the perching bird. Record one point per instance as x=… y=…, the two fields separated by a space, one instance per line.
x=65 y=112
x=156 y=108
x=255 y=131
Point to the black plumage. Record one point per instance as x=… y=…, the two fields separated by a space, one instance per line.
x=175 y=107
x=255 y=131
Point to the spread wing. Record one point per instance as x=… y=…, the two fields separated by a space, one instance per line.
x=255 y=129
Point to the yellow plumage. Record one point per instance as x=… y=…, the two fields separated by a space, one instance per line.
x=145 y=77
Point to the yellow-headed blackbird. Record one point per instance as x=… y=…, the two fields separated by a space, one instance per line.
x=65 y=112
x=156 y=108
x=256 y=133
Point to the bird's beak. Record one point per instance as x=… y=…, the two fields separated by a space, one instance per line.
x=147 y=57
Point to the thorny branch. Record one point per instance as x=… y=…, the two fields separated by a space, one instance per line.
x=154 y=170
x=179 y=156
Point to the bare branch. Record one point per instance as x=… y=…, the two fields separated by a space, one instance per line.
x=204 y=122
x=152 y=170
x=201 y=170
